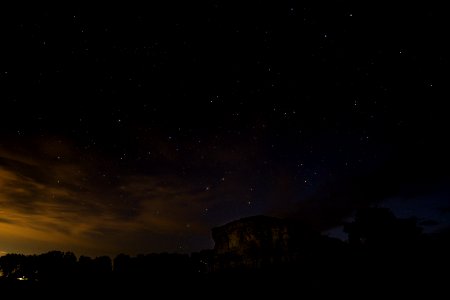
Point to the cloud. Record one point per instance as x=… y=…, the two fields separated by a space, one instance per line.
x=65 y=203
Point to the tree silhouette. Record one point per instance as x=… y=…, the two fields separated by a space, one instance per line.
x=12 y=265
x=385 y=250
x=379 y=227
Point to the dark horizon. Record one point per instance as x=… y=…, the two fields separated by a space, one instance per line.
x=138 y=129
x=256 y=255
x=337 y=233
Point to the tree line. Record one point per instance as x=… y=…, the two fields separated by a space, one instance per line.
x=382 y=252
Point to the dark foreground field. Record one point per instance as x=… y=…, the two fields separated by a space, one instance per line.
x=351 y=282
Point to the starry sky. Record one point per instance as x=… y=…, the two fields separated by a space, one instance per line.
x=138 y=129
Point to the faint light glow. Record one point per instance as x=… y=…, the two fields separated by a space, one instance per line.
x=22 y=278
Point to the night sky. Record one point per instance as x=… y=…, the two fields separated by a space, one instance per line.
x=138 y=129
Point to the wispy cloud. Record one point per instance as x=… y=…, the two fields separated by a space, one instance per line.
x=52 y=202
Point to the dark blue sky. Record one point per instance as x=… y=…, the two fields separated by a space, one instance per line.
x=136 y=130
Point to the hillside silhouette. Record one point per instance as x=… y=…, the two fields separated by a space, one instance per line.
x=256 y=255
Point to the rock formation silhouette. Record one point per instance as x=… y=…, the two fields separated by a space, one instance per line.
x=263 y=242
